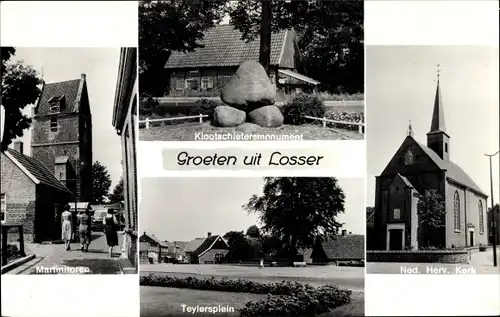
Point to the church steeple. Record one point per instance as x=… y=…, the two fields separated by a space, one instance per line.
x=437 y=139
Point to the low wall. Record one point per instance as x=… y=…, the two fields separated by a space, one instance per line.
x=437 y=256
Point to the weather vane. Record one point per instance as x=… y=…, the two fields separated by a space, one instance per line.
x=410 y=129
x=438 y=71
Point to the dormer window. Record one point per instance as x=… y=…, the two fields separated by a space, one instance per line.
x=56 y=104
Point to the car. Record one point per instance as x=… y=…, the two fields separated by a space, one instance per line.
x=97 y=218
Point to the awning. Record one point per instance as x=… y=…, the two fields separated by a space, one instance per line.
x=79 y=206
x=298 y=76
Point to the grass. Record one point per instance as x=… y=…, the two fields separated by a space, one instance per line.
x=166 y=301
x=188 y=132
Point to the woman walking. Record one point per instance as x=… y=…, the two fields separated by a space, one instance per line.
x=66 y=226
x=84 y=226
x=110 y=224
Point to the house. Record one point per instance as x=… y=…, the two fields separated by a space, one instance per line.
x=414 y=169
x=205 y=71
x=153 y=247
x=494 y=213
x=124 y=121
x=176 y=251
x=31 y=195
x=208 y=250
x=61 y=135
x=345 y=247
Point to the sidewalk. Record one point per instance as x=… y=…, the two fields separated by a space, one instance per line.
x=95 y=261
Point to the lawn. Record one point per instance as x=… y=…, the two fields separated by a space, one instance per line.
x=189 y=131
x=165 y=301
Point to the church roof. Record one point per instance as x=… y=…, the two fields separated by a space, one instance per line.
x=454 y=171
x=68 y=89
x=37 y=169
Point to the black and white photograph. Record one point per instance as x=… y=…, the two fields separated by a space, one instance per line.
x=251 y=70
x=69 y=194
x=433 y=160
x=252 y=246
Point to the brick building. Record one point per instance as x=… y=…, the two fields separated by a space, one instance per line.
x=61 y=136
x=125 y=123
x=496 y=214
x=31 y=196
x=205 y=71
x=345 y=247
x=209 y=250
x=415 y=168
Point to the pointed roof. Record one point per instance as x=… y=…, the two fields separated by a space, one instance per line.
x=405 y=180
x=36 y=170
x=71 y=90
x=437 y=123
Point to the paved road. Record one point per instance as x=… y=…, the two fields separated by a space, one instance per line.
x=51 y=256
x=479 y=263
x=345 y=277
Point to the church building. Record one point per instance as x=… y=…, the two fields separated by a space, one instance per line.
x=414 y=169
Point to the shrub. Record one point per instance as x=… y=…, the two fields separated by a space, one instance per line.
x=304 y=303
x=225 y=285
x=303 y=105
x=346 y=116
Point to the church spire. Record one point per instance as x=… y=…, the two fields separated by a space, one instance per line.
x=437 y=123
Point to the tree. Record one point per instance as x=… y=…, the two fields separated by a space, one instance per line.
x=19 y=89
x=117 y=194
x=330 y=36
x=101 y=182
x=431 y=211
x=253 y=231
x=167 y=26
x=239 y=247
x=297 y=210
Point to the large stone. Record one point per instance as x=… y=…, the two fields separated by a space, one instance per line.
x=248 y=128
x=267 y=117
x=225 y=116
x=249 y=88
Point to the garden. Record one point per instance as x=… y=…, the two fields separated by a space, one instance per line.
x=295 y=112
x=262 y=299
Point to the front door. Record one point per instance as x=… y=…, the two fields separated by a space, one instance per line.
x=471 y=235
x=396 y=239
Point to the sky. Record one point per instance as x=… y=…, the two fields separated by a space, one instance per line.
x=401 y=85
x=101 y=68
x=181 y=209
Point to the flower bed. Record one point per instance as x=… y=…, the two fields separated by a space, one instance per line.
x=284 y=298
x=351 y=263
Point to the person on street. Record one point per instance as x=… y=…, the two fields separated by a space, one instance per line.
x=66 y=226
x=261 y=264
x=110 y=228
x=84 y=225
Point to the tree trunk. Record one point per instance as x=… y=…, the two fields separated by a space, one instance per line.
x=265 y=35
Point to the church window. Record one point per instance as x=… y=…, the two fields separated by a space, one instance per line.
x=397 y=214
x=481 y=217
x=456 y=211
x=53 y=124
x=4 y=207
x=446 y=147
x=408 y=158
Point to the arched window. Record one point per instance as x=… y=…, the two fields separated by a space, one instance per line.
x=456 y=210
x=481 y=217
x=408 y=158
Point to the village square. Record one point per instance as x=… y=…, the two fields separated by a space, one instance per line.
x=430 y=216
x=251 y=72
x=67 y=195
x=224 y=248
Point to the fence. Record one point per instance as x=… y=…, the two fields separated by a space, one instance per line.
x=361 y=125
x=148 y=121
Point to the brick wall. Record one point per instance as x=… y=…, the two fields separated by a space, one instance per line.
x=20 y=193
x=419 y=257
x=209 y=257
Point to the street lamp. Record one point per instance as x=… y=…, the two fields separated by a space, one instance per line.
x=78 y=165
x=493 y=218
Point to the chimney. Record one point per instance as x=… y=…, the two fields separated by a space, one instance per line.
x=209 y=234
x=18 y=146
x=344 y=232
